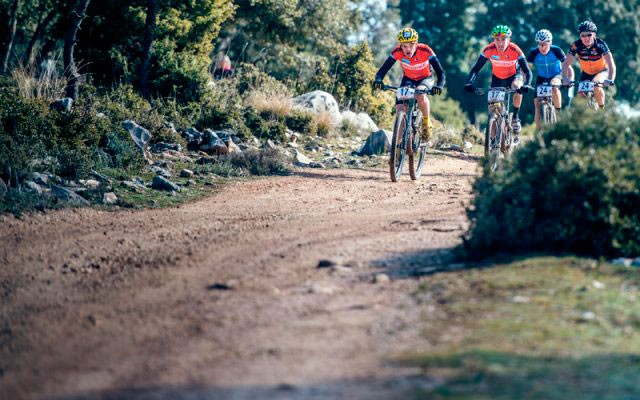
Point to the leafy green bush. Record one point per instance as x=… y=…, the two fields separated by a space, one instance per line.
x=301 y=121
x=25 y=133
x=575 y=189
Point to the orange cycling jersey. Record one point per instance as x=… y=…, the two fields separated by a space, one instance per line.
x=504 y=64
x=416 y=67
x=591 y=58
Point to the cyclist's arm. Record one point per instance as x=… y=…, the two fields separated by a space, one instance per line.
x=567 y=64
x=437 y=67
x=385 y=67
x=608 y=57
x=524 y=66
x=473 y=74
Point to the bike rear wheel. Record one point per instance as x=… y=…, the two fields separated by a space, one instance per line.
x=398 y=148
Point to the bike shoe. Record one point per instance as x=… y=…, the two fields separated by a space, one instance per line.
x=516 y=126
x=427 y=128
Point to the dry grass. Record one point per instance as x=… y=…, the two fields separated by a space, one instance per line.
x=325 y=124
x=278 y=106
x=48 y=84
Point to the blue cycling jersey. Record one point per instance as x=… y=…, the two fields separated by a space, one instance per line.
x=547 y=65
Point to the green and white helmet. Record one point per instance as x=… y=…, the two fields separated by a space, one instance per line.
x=501 y=31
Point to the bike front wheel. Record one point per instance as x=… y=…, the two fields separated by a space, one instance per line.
x=398 y=148
x=494 y=133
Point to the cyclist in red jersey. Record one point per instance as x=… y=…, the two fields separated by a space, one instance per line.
x=416 y=60
x=505 y=59
x=596 y=60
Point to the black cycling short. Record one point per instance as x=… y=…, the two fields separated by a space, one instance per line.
x=507 y=82
x=589 y=77
x=427 y=82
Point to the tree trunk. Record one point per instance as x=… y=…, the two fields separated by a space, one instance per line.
x=70 y=68
x=150 y=26
x=38 y=36
x=13 y=24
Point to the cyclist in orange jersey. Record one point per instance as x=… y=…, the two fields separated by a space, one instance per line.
x=507 y=65
x=596 y=60
x=416 y=60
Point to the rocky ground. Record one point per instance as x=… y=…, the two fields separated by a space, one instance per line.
x=295 y=287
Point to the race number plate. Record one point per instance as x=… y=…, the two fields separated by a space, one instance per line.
x=543 y=91
x=405 y=93
x=585 y=86
x=495 y=96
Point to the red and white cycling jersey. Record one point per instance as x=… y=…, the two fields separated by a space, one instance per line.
x=504 y=64
x=416 y=67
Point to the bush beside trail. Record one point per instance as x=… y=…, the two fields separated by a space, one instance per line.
x=576 y=188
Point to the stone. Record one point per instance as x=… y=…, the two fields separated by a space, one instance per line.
x=381 y=278
x=326 y=263
x=319 y=102
x=68 y=196
x=378 y=142
x=140 y=136
x=162 y=146
x=62 y=105
x=186 y=173
x=212 y=144
x=360 y=122
x=32 y=186
x=162 y=183
x=301 y=160
x=109 y=198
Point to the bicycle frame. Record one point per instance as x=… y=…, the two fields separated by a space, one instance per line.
x=547 y=111
x=408 y=143
x=589 y=94
x=499 y=123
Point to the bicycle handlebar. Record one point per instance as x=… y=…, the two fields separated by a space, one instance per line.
x=417 y=91
x=483 y=91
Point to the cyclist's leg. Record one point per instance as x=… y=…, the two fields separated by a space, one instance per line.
x=598 y=91
x=425 y=108
x=557 y=95
x=516 y=83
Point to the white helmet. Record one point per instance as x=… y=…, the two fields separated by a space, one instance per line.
x=543 y=35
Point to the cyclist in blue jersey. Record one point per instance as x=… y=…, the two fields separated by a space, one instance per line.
x=547 y=60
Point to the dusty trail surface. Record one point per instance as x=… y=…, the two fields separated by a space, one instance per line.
x=223 y=298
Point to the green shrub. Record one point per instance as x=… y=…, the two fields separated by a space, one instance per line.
x=301 y=121
x=575 y=189
x=26 y=132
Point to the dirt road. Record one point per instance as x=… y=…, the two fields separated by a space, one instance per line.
x=224 y=298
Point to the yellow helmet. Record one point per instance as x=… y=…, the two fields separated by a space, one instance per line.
x=407 y=35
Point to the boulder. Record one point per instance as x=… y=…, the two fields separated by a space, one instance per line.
x=68 y=196
x=377 y=143
x=161 y=183
x=360 y=122
x=62 y=105
x=301 y=160
x=109 y=198
x=140 y=136
x=319 y=102
x=212 y=144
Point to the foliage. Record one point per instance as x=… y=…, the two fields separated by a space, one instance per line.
x=538 y=328
x=575 y=189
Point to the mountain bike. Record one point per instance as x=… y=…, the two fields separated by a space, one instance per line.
x=544 y=95
x=498 y=135
x=406 y=140
x=586 y=89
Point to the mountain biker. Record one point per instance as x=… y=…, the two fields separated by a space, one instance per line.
x=547 y=59
x=596 y=60
x=416 y=60
x=505 y=58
